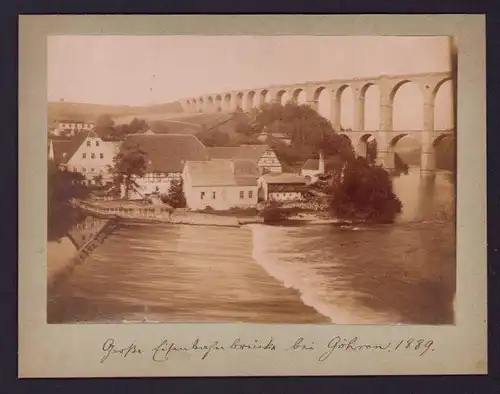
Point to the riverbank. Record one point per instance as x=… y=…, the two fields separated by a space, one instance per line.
x=134 y=212
x=58 y=266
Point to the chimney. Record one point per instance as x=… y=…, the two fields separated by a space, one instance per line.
x=321 y=166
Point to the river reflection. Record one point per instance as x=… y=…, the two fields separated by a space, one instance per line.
x=401 y=273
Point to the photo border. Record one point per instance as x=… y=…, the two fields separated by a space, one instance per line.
x=54 y=344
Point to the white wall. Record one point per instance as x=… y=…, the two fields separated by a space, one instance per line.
x=88 y=166
x=226 y=197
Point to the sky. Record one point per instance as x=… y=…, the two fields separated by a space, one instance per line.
x=144 y=70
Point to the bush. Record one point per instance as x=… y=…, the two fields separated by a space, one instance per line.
x=273 y=212
x=361 y=191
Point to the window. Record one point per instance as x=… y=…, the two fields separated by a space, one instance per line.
x=250 y=193
x=84 y=169
x=242 y=194
x=84 y=155
x=102 y=155
x=88 y=143
x=202 y=195
x=92 y=170
x=92 y=155
x=213 y=195
x=97 y=143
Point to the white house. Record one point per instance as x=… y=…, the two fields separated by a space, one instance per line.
x=86 y=153
x=262 y=155
x=71 y=127
x=220 y=184
x=165 y=155
x=282 y=187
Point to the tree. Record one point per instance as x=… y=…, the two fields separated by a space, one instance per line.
x=175 y=197
x=138 y=126
x=309 y=131
x=213 y=137
x=105 y=125
x=62 y=187
x=361 y=191
x=128 y=164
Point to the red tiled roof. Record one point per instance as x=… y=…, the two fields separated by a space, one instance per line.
x=168 y=152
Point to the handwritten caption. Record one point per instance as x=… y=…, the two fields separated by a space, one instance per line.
x=167 y=349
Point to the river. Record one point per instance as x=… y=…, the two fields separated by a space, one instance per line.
x=403 y=273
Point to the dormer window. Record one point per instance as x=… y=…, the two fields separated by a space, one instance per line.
x=97 y=143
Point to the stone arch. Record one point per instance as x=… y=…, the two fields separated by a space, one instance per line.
x=227 y=101
x=410 y=153
x=195 y=105
x=218 y=103
x=239 y=100
x=201 y=104
x=443 y=98
x=263 y=96
x=188 y=105
x=370 y=96
x=444 y=151
x=367 y=147
x=322 y=97
x=346 y=109
x=250 y=100
x=210 y=103
x=296 y=95
x=407 y=100
x=440 y=83
x=279 y=96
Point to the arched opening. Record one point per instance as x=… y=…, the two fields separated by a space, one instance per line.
x=404 y=153
x=188 y=105
x=371 y=94
x=195 y=105
x=443 y=105
x=250 y=100
x=239 y=101
x=367 y=147
x=323 y=99
x=227 y=102
x=299 y=96
x=263 y=97
x=218 y=103
x=210 y=104
x=445 y=152
x=202 y=104
x=407 y=106
x=282 y=97
x=346 y=99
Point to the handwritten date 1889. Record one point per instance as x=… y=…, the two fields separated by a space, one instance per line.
x=421 y=346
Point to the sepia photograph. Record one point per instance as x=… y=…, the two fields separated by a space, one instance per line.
x=251 y=179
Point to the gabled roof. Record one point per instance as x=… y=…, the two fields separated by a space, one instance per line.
x=65 y=149
x=222 y=172
x=168 y=152
x=246 y=152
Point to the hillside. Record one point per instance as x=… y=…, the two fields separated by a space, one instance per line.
x=62 y=110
